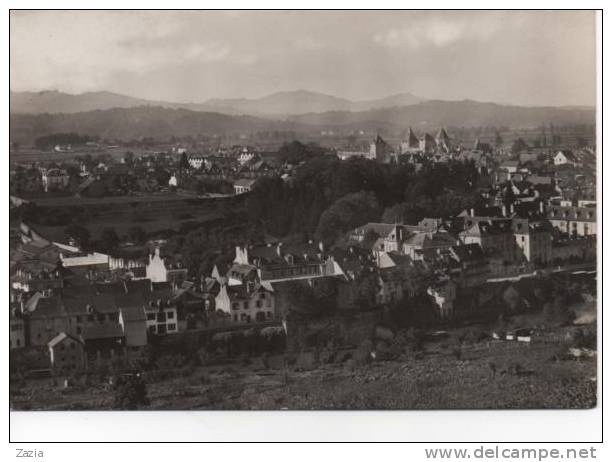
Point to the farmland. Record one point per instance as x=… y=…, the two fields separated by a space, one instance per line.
x=157 y=213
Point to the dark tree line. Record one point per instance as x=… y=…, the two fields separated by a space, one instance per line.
x=327 y=191
x=49 y=141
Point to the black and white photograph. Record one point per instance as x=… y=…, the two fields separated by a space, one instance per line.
x=315 y=210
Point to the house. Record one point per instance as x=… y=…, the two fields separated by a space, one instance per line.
x=55 y=179
x=161 y=310
x=133 y=321
x=45 y=318
x=243 y=185
x=196 y=162
x=34 y=275
x=389 y=236
x=85 y=260
x=575 y=221
x=565 y=158
x=245 y=156
x=510 y=166
x=66 y=353
x=280 y=262
x=494 y=236
x=164 y=269
x=428 y=245
x=533 y=240
x=480 y=147
x=102 y=344
x=245 y=303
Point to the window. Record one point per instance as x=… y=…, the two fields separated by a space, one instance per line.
x=161 y=317
x=18 y=342
x=152 y=329
x=258 y=304
x=171 y=326
x=235 y=306
x=171 y=315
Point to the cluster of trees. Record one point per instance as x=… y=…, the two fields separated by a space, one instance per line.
x=307 y=301
x=206 y=185
x=329 y=196
x=296 y=152
x=49 y=141
x=108 y=240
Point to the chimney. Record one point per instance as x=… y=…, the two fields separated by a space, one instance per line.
x=504 y=210
x=472 y=213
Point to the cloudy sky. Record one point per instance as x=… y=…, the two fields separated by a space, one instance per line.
x=527 y=58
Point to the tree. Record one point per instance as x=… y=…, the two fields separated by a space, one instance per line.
x=184 y=162
x=498 y=140
x=347 y=213
x=109 y=239
x=79 y=234
x=368 y=287
x=130 y=393
x=137 y=234
x=557 y=312
x=519 y=145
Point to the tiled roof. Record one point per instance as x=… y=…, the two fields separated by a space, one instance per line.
x=468 y=252
x=133 y=314
x=101 y=331
x=59 y=338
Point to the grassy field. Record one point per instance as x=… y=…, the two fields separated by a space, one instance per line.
x=436 y=378
x=152 y=212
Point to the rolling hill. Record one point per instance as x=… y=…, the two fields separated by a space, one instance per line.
x=132 y=123
x=465 y=113
x=276 y=104
x=163 y=123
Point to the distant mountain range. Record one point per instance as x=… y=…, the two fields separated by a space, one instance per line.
x=276 y=104
x=163 y=123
